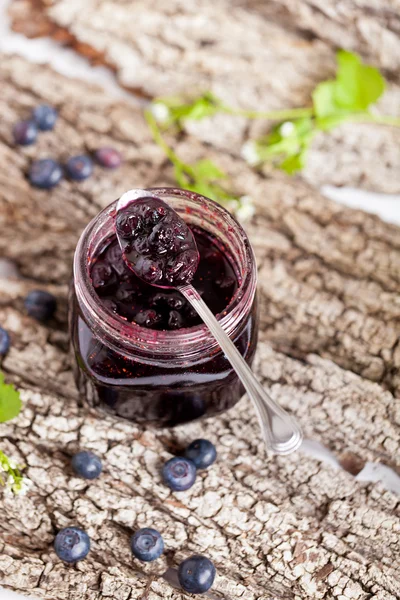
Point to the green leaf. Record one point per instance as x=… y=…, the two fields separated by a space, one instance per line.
x=332 y=121
x=287 y=146
x=202 y=108
x=358 y=85
x=355 y=88
x=324 y=99
x=10 y=402
x=295 y=163
x=205 y=105
x=207 y=169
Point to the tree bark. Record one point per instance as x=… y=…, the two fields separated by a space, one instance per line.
x=249 y=61
x=371 y=28
x=287 y=528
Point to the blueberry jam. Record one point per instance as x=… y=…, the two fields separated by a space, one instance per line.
x=138 y=302
x=141 y=352
x=157 y=244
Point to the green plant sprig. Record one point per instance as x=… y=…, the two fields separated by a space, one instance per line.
x=202 y=177
x=11 y=477
x=347 y=98
x=10 y=472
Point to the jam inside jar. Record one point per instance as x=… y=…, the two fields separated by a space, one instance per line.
x=142 y=353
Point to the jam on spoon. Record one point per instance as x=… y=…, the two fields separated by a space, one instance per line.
x=160 y=249
x=156 y=243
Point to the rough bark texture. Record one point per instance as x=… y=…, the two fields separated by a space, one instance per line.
x=289 y=528
x=186 y=46
x=369 y=27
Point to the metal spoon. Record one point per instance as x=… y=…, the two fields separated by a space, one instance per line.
x=281 y=432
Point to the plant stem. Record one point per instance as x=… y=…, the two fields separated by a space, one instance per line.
x=365 y=117
x=158 y=138
x=382 y=120
x=275 y=115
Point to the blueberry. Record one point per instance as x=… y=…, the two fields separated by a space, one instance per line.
x=87 y=465
x=147 y=544
x=176 y=301
x=40 y=304
x=196 y=574
x=108 y=158
x=25 y=133
x=202 y=453
x=71 y=544
x=4 y=342
x=45 y=173
x=79 y=167
x=179 y=473
x=103 y=277
x=175 y=321
x=45 y=116
x=147 y=318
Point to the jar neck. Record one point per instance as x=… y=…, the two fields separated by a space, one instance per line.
x=178 y=347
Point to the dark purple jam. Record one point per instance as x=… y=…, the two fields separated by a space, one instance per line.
x=158 y=391
x=157 y=244
x=123 y=293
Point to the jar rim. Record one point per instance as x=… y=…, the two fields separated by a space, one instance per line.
x=145 y=343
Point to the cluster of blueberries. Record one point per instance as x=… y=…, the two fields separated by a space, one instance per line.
x=195 y=574
x=38 y=304
x=46 y=173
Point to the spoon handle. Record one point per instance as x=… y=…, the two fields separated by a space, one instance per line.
x=281 y=432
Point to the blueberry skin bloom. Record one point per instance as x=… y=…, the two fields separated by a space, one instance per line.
x=196 y=574
x=87 y=465
x=179 y=473
x=202 y=453
x=72 y=544
x=25 y=133
x=40 y=304
x=147 y=544
x=45 y=173
x=79 y=167
x=45 y=116
x=4 y=342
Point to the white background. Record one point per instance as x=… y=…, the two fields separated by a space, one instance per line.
x=67 y=62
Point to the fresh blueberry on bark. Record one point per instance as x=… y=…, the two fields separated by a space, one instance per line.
x=108 y=157
x=4 y=342
x=79 y=167
x=40 y=304
x=87 y=465
x=72 y=544
x=179 y=473
x=147 y=544
x=196 y=574
x=45 y=173
x=25 y=133
x=202 y=453
x=45 y=116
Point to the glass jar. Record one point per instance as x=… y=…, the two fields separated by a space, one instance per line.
x=153 y=377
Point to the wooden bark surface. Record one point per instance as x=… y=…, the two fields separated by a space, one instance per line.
x=371 y=27
x=185 y=47
x=290 y=528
